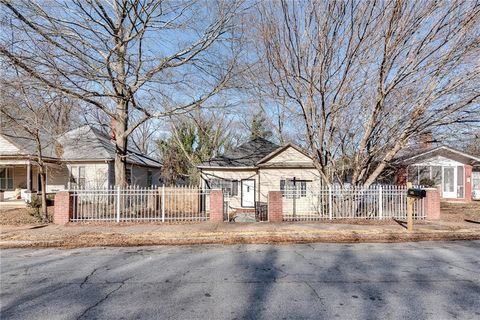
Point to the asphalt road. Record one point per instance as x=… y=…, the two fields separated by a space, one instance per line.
x=427 y=280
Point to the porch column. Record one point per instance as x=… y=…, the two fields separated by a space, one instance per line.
x=29 y=176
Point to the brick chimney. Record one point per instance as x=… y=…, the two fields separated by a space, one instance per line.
x=426 y=139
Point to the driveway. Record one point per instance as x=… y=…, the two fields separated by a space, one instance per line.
x=427 y=280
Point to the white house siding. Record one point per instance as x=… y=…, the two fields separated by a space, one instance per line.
x=288 y=164
x=270 y=178
x=7 y=148
x=290 y=155
x=96 y=174
x=438 y=161
x=233 y=174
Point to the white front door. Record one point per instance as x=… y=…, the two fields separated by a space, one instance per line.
x=449 y=182
x=248 y=193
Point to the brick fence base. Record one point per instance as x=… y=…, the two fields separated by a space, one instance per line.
x=63 y=210
x=432 y=204
x=216 y=205
x=275 y=206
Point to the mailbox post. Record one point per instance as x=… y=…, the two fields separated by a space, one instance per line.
x=412 y=196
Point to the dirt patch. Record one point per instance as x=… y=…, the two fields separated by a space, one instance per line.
x=459 y=212
x=19 y=216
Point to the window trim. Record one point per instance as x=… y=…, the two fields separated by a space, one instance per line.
x=8 y=177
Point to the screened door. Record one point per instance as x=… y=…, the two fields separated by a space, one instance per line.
x=449 y=182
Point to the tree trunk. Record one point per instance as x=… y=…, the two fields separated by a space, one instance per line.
x=120 y=126
x=43 y=183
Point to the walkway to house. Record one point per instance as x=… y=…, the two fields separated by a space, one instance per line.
x=90 y=235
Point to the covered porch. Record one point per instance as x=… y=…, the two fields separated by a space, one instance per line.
x=20 y=176
x=453 y=179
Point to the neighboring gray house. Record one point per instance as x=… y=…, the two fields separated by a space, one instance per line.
x=253 y=169
x=82 y=157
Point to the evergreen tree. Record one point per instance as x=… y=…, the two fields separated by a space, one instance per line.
x=259 y=126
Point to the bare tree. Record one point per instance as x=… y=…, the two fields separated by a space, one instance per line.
x=193 y=139
x=37 y=116
x=132 y=59
x=366 y=77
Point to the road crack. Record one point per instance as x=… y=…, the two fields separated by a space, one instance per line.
x=103 y=299
x=87 y=277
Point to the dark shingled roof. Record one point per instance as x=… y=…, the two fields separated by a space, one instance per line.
x=246 y=155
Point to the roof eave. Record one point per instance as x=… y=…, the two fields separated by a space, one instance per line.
x=228 y=167
x=445 y=148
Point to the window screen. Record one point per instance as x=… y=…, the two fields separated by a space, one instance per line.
x=293 y=188
x=149 y=178
x=6 y=178
x=437 y=175
x=423 y=172
x=413 y=174
x=228 y=186
x=81 y=176
x=460 y=188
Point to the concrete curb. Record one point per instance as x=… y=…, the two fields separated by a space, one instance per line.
x=129 y=240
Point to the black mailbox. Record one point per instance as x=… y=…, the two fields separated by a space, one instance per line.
x=416 y=193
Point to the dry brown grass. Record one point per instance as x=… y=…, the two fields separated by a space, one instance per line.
x=459 y=212
x=124 y=240
x=19 y=216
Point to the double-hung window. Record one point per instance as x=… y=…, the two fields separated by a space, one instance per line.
x=77 y=176
x=293 y=188
x=6 y=178
x=228 y=186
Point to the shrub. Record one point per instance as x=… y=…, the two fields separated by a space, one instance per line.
x=427 y=182
x=35 y=204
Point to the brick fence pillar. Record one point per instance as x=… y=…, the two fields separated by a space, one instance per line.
x=468 y=183
x=432 y=204
x=63 y=209
x=275 y=206
x=216 y=205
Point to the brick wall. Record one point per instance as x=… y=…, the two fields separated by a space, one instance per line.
x=468 y=183
x=401 y=176
x=216 y=205
x=63 y=209
x=432 y=204
x=275 y=206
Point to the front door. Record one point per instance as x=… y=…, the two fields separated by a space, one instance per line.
x=248 y=193
x=449 y=182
